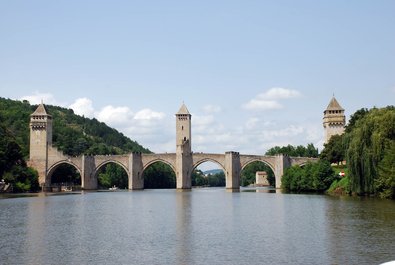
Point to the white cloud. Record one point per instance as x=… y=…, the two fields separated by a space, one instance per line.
x=39 y=97
x=279 y=93
x=211 y=109
x=148 y=114
x=269 y=100
x=260 y=104
x=252 y=123
x=83 y=107
x=115 y=116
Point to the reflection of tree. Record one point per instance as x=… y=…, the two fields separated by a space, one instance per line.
x=360 y=232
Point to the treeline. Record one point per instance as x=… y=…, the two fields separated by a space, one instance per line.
x=199 y=179
x=298 y=151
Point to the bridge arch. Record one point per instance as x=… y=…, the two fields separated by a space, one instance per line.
x=151 y=162
x=97 y=169
x=257 y=160
x=55 y=166
x=207 y=159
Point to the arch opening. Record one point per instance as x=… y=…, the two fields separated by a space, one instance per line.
x=159 y=175
x=208 y=173
x=112 y=175
x=64 y=177
x=257 y=173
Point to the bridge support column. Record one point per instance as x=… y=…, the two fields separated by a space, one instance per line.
x=88 y=177
x=184 y=167
x=136 y=179
x=282 y=163
x=232 y=170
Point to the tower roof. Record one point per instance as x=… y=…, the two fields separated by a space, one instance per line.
x=334 y=105
x=183 y=110
x=40 y=110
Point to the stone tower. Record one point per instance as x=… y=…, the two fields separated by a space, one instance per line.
x=40 y=139
x=334 y=119
x=183 y=148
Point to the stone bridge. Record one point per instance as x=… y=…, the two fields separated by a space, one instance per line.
x=134 y=164
x=46 y=158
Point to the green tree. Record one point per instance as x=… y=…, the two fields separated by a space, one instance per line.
x=159 y=176
x=334 y=151
x=368 y=142
x=13 y=167
x=113 y=175
x=385 y=182
x=290 y=150
x=312 y=177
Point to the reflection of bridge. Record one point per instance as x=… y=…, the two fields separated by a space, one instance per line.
x=46 y=158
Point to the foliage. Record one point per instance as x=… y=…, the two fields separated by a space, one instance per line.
x=359 y=114
x=112 y=175
x=370 y=152
x=248 y=175
x=73 y=134
x=312 y=177
x=159 y=176
x=385 y=182
x=13 y=168
x=212 y=180
x=290 y=150
x=340 y=186
x=335 y=150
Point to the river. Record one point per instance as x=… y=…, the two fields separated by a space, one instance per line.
x=202 y=226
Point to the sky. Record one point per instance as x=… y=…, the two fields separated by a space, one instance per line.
x=253 y=74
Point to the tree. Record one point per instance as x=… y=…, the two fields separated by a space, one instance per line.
x=312 y=177
x=369 y=142
x=159 y=176
x=334 y=151
x=298 y=151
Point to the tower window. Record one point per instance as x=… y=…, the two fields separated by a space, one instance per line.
x=182 y=127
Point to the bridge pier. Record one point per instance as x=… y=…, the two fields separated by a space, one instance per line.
x=88 y=178
x=232 y=170
x=136 y=179
x=282 y=162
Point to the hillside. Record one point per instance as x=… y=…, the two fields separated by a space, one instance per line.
x=73 y=134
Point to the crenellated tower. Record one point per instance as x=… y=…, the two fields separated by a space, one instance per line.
x=334 y=120
x=40 y=139
x=183 y=148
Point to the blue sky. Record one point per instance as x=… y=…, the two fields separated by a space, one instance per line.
x=254 y=74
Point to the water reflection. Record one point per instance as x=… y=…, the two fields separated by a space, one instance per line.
x=358 y=230
x=183 y=229
x=202 y=226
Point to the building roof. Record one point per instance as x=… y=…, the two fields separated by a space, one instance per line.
x=183 y=110
x=40 y=110
x=334 y=105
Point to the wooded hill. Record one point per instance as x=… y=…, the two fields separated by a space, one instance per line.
x=73 y=134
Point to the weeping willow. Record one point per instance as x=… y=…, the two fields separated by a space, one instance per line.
x=368 y=143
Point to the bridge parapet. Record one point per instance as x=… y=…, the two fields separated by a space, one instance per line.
x=300 y=161
x=167 y=158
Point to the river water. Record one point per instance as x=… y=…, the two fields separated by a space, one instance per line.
x=202 y=226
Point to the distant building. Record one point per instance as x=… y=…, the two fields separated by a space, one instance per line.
x=334 y=120
x=261 y=178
